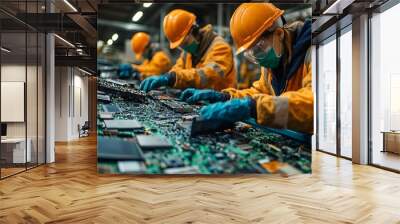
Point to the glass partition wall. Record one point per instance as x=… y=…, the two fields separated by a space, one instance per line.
x=385 y=89
x=327 y=96
x=22 y=77
x=345 y=61
x=334 y=99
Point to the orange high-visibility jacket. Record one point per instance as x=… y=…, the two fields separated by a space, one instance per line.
x=215 y=69
x=293 y=107
x=159 y=64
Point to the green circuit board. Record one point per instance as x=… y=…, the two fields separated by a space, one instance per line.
x=242 y=149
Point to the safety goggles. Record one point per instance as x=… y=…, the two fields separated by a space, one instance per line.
x=262 y=46
x=188 y=40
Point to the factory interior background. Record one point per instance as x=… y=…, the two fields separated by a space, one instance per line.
x=158 y=127
x=61 y=87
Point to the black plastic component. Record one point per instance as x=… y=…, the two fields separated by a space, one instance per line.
x=121 y=89
x=178 y=106
x=200 y=127
x=109 y=148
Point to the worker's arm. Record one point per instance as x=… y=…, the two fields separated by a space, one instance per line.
x=159 y=64
x=258 y=87
x=218 y=64
x=292 y=110
x=180 y=62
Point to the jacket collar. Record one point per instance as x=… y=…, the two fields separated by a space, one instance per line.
x=207 y=36
x=300 y=38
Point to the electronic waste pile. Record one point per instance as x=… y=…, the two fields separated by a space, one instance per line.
x=152 y=134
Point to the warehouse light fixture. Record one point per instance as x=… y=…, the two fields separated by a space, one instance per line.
x=100 y=43
x=115 y=37
x=110 y=42
x=65 y=41
x=70 y=5
x=146 y=5
x=137 y=16
x=5 y=50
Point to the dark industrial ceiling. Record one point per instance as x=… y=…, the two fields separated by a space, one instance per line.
x=82 y=22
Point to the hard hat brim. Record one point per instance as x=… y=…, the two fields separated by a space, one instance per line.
x=175 y=44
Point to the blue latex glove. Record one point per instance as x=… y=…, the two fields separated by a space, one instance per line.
x=195 y=95
x=230 y=111
x=125 y=70
x=155 y=82
x=136 y=75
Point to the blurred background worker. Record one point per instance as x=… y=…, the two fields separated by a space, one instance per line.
x=248 y=73
x=154 y=61
x=282 y=98
x=206 y=60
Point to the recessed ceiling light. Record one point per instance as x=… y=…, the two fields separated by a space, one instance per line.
x=64 y=40
x=70 y=5
x=84 y=71
x=110 y=42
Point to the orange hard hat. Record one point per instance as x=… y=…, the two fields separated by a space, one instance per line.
x=139 y=42
x=177 y=25
x=250 y=20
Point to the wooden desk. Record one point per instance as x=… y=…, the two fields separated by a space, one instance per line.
x=16 y=147
x=391 y=141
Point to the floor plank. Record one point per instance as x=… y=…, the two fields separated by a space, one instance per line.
x=70 y=191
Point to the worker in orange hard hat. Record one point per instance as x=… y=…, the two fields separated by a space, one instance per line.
x=282 y=97
x=155 y=61
x=206 y=60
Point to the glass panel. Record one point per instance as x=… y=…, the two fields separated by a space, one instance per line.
x=385 y=84
x=327 y=96
x=346 y=94
x=13 y=87
x=31 y=97
x=31 y=88
x=41 y=99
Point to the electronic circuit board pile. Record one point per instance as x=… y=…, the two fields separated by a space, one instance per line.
x=243 y=149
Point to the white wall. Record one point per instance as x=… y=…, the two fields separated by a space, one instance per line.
x=71 y=102
x=12 y=73
x=33 y=126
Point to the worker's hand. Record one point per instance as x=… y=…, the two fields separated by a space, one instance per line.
x=125 y=70
x=230 y=111
x=155 y=82
x=136 y=75
x=195 y=95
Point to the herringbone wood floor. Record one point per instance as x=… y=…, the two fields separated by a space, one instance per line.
x=70 y=191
